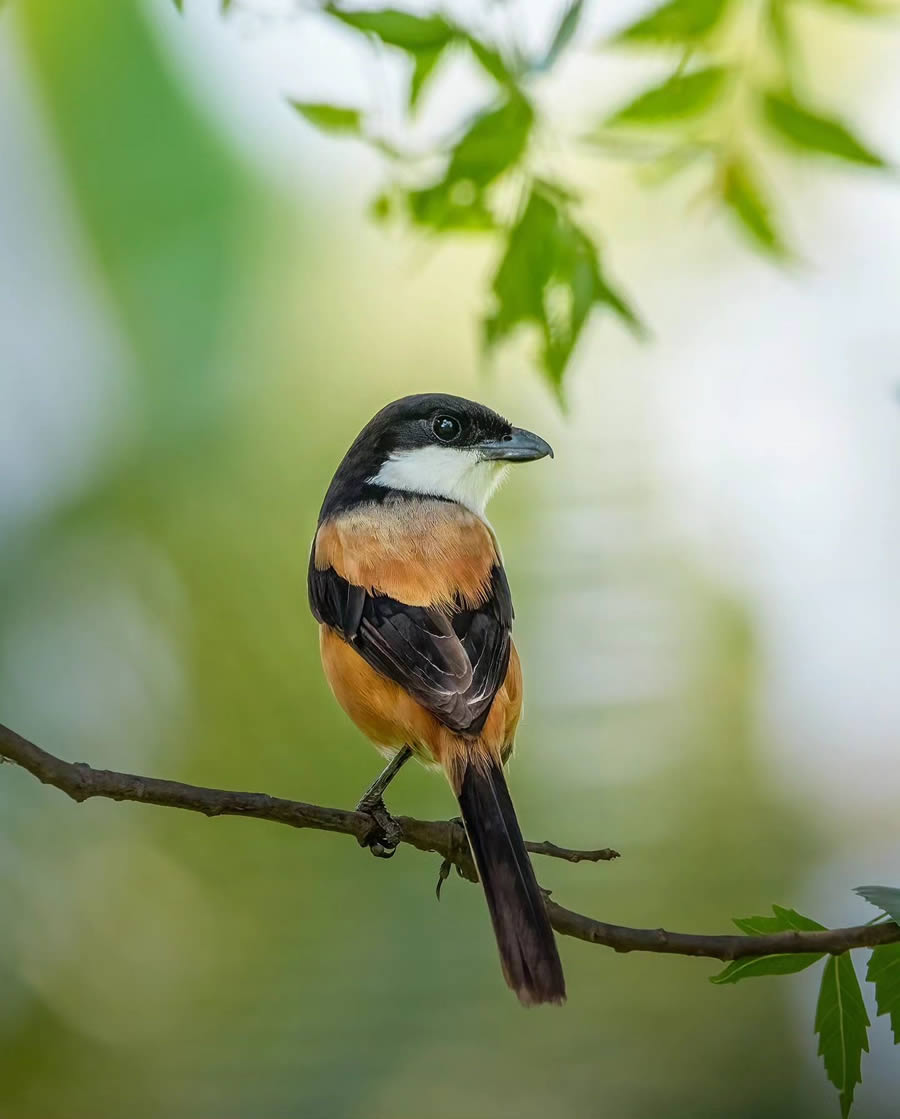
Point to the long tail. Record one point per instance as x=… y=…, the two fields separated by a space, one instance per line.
x=527 y=947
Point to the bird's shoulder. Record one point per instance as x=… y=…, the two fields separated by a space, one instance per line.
x=421 y=551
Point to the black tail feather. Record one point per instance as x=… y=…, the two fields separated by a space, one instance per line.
x=525 y=939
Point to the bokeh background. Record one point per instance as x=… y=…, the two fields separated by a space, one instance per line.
x=195 y=318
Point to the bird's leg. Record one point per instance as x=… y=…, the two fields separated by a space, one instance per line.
x=375 y=792
x=448 y=864
x=383 y=839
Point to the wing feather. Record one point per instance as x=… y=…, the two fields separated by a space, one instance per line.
x=452 y=664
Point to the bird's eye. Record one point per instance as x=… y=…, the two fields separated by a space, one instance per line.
x=446 y=428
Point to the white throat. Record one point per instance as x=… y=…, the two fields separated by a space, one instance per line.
x=454 y=473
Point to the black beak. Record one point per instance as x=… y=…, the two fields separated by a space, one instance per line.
x=519 y=446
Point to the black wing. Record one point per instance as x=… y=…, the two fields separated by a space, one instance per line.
x=453 y=665
x=485 y=636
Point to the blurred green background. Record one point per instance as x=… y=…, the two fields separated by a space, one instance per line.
x=195 y=319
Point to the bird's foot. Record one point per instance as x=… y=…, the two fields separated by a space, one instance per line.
x=384 y=836
x=448 y=864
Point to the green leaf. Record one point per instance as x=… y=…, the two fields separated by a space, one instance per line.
x=783 y=921
x=861 y=7
x=525 y=270
x=884 y=973
x=179 y=4
x=841 y=1023
x=744 y=197
x=424 y=38
x=493 y=143
x=396 y=28
x=813 y=133
x=450 y=207
x=330 y=118
x=550 y=277
x=779 y=30
x=556 y=192
x=424 y=62
x=382 y=206
x=785 y=963
x=885 y=898
x=490 y=60
x=678 y=97
x=678 y=21
x=781 y=963
x=568 y=25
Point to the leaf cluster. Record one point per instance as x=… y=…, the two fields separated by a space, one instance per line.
x=550 y=273
x=733 y=98
x=841 y=1022
x=736 y=92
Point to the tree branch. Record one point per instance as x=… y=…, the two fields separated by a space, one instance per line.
x=443 y=837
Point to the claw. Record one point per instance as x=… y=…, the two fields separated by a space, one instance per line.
x=379 y=850
x=384 y=836
x=448 y=864
x=443 y=875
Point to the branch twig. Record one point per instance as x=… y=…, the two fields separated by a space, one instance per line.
x=443 y=837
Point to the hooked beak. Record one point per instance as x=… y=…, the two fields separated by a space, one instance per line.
x=519 y=446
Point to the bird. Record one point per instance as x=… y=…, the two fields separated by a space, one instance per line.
x=407 y=583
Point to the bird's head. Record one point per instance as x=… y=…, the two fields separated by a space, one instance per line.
x=434 y=445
